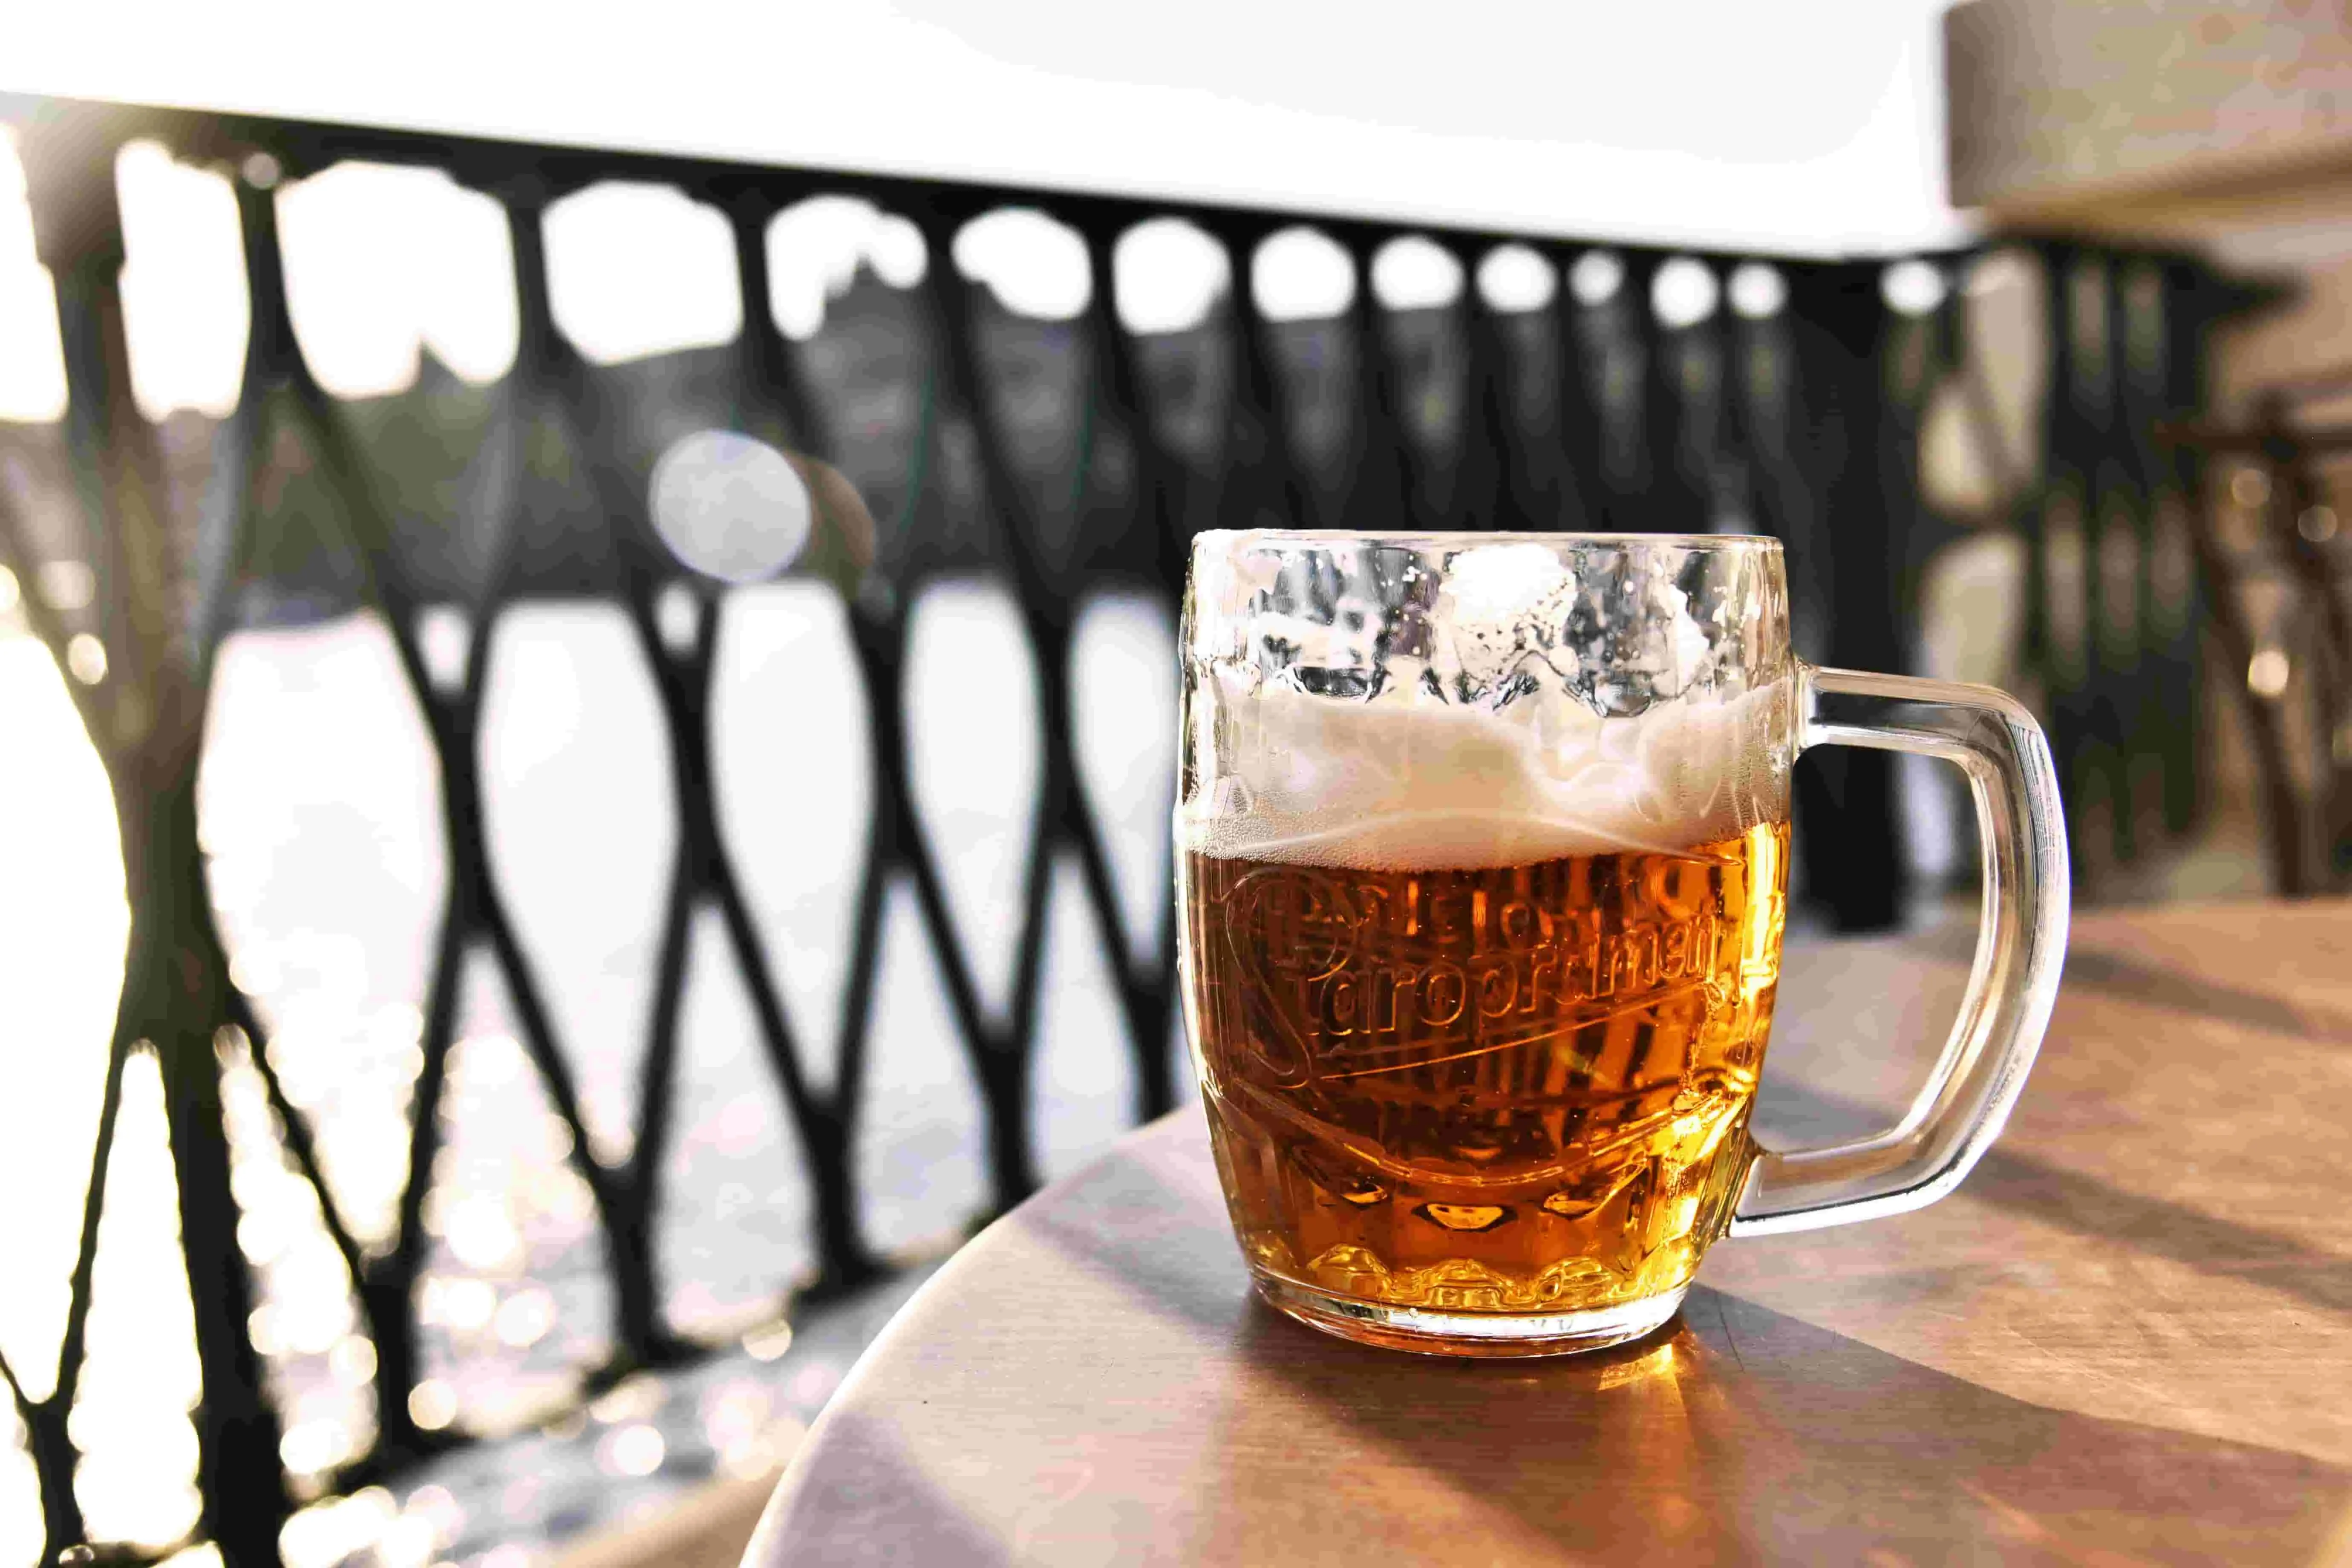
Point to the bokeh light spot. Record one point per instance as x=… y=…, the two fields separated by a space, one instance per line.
x=636 y=1450
x=1414 y=272
x=2267 y=673
x=1912 y=288
x=1302 y=275
x=433 y=1405
x=1168 y=275
x=1513 y=277
x=1684 y=292
x=1757 y=291
x=1596 y=278
x=1034 y=266
x=731 y=507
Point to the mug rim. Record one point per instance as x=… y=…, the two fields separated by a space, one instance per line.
x=1425 y=539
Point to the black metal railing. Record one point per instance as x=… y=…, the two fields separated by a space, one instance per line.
x=1803 y=421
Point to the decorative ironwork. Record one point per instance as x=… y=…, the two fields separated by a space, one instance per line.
x=1802 y=421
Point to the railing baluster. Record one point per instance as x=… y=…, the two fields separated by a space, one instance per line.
x=1159 y=475
x=767 y=385
x=1147 y=999
x=770 y=390
x=1386 y=484
x=1856 y=869
x=1655 y=500
x=1749 y=375
x=1260 y=448
x=2103 y=755
x=2067 y=657
x=2167 y=388
x=382 y=1294
x=1494 y=481
x=2136 y=723
x=1003 y=1054
x=1582 y=428
x=147 y=727
x=473 y=905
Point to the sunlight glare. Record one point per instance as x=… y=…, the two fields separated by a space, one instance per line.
x=1302 y=275
x=20 y=1494
x=1514 y=278
x=32 y=357
x=637 y=270
x=1034 y=266
x=1169 y=275
x=136 y=1477
x=185 y=310
x=60 y=966
x=1414 y=272
x=1595 y=278
x=383 y=262
x=815 y=247
x=1913 y=287
x=335 y=959
x=1684 y=292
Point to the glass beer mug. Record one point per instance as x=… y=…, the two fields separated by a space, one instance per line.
x=1483 y=856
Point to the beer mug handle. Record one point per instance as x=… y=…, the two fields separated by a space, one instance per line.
x=2021 y=944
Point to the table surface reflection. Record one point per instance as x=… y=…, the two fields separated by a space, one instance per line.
x=2127 y=1338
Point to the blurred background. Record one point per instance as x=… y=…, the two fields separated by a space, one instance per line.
x=587 y=620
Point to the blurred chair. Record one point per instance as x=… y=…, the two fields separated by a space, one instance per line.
x=2161 y=129
x=2273 y=564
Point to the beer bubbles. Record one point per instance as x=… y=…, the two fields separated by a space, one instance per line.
x=731 y=507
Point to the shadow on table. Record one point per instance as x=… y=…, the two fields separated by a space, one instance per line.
x=1735 y=1434
x=1738 y=1434
x=1216 y=1431
x=1203 y=1427
x=1796 y=1115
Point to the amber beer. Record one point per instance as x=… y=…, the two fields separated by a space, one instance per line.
x=1518 y=1089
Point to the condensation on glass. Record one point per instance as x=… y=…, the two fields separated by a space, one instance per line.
x=1484 y=875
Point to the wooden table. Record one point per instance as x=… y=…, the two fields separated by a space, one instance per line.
x=2127 y=1338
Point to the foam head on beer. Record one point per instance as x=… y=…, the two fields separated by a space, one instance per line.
x=1509 y=723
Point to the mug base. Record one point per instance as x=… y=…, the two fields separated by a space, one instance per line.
x=1497 y=1334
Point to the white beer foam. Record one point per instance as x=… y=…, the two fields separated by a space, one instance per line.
x=1411 y=784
